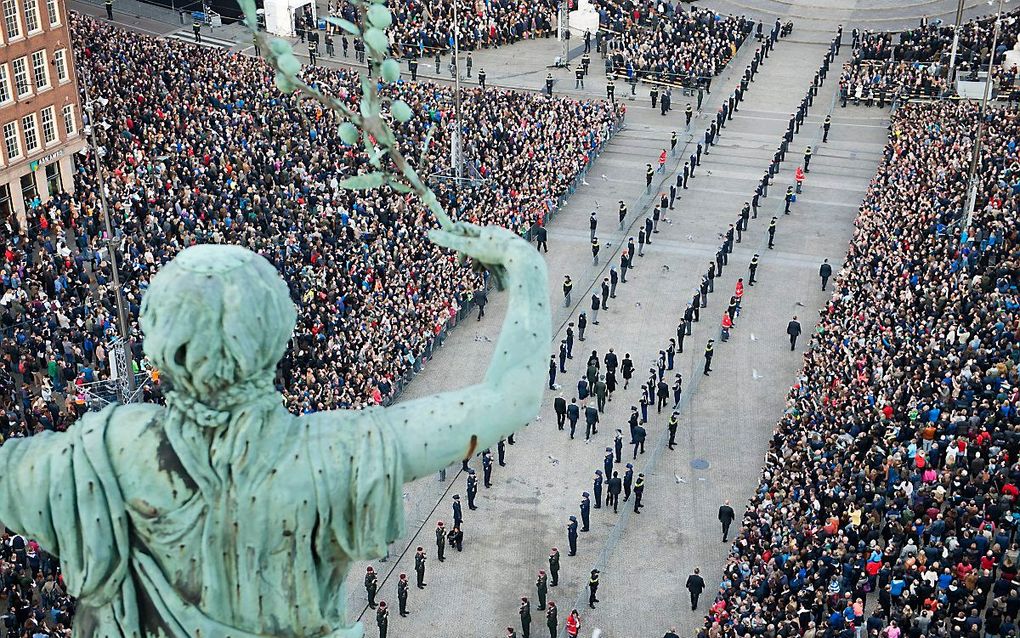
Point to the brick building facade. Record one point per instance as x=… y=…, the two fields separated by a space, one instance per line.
x=40 y=112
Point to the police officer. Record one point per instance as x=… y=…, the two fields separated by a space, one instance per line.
x=611 y=90
x=382 y=619
x=487 y=469
x=481 y=78
x=109 y=9
x=554 y=566
x=708 y=356
x=572 y=535
x=595 y=247
x=412 y=66
x=623 y=213
x=469 y=63
x=567 y=287
x=654 y=94
x=639 y=489
x=772 y=232
x=585 y=510
x=593 y=588
x=649 y=173
x=196 y=27
x=313 y=50
x=371 y=585
x=628 y=481
x=585 y=63
x=402 y=594
x=458 y=517
x=472 y=489
x=597 y=489
x=825 y=128
x=674 y=420
x=419 y=567
x=752 y=268
x=548 y=84
x=525 y=612
x=578 y=80
x=330 y=51
x=440 y=542
x=807 y=159
x=542 y=585
x=550 y=620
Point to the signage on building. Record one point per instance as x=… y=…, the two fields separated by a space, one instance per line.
x=45 y=159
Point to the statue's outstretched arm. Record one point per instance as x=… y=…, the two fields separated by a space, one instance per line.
x=442 y=429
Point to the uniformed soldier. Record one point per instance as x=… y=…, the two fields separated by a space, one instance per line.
x=593 y=588
x=419 y=567
x=542 y=585
x=525 y=612
x=382 y=619
x=807 y=159
x=611 y=90
x=554 y=566
x=628 y=480
x=440 y=542
x=772 y=232
x=109 y=9
x=825 y=128
x=402 y=594
x=412 y=66
x=585 y=510
x=371 y=585
x=708 y=356
x=196 y=27
x=548 y=84
x=753 y=268
x=639 y=489
x=550 y=620
x=487 y=469
x=578 y=80
x=481 y=78
x=572 y=536
x=472 y=488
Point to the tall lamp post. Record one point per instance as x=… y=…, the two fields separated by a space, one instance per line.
x=975 y=159
x=122 y=346
x=956 y=42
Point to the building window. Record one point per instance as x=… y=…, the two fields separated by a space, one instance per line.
x=31 y=128
x=6 y=205
x=60 y=59
x=11 y=141
x=5 y=85
x=29 y=192
x=40 y=73
x=53 y=181
x=21 y=81
x=49 y=125
x=11 y=22
x=32 y=21
x=53 y=9
x=70 y=124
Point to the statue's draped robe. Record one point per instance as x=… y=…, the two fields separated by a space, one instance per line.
x=279 y=506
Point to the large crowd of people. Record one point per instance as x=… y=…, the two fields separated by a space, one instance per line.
x=887 y=505
x=421 y=28
x=660 y=42
x=915 y=62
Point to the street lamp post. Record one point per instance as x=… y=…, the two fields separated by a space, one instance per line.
x=125 y=373
x=956 y=42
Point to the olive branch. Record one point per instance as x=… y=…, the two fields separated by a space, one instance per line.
x=368 y=124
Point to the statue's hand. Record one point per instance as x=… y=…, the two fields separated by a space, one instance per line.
x=491 y=248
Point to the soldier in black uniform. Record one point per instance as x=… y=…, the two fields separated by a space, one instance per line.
x=371 y=585
x=109 y=9
x=419 y=567
x=542 y=585
x=578 y=80
x=548 y=84
x=708 y=356
x=554 y=566
x=472 y=489
x=525 y=612
x=611 y=90
x=593 y=588
x=402 y=594
x=440 y=542
x=550 y=620
x=572 y=535
x=382 y=619
x=412 y=66
x=196 y=27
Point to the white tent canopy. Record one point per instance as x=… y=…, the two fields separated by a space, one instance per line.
x=280 y=15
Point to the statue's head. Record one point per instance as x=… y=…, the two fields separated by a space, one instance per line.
x=217 y=317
